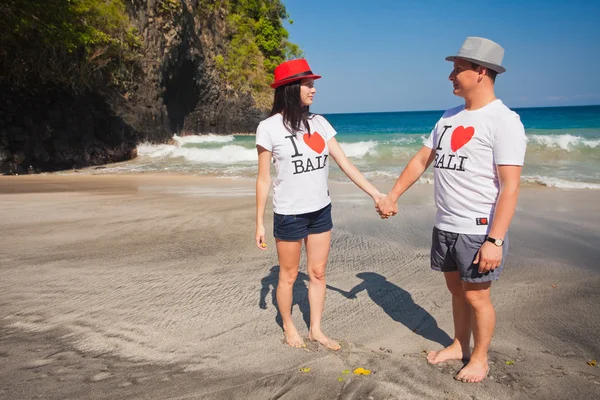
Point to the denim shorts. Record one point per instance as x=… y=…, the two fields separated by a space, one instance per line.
x=452 y=252
x=298 y=227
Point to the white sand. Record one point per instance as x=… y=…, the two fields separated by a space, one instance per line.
x=150 y=286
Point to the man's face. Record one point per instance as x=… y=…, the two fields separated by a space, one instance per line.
x=464 y=78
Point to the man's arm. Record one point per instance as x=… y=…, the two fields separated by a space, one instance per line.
x=490 y=255
x=413 y=171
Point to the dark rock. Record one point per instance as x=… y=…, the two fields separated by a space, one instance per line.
x=176 y=89
x=39 y=153
x=5 y=155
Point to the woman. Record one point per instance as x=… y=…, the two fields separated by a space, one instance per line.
x=300 y=145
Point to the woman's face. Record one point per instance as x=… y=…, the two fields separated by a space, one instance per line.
x=307 y=91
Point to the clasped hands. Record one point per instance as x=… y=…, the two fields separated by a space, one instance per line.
x=385 y=206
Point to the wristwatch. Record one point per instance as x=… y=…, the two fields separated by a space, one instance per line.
x=497 y=242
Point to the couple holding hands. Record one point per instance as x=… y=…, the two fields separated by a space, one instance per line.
x=477 y=150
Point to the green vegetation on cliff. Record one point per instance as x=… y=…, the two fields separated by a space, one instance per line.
x=71 y=43
x=81 y=44
x=258 y=42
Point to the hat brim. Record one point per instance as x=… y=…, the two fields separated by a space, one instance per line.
x=282 y=82
x=494 y=67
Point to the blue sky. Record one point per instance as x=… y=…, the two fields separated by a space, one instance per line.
x=386 y=55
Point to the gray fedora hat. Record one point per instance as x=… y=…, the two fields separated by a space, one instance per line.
x=483 y=52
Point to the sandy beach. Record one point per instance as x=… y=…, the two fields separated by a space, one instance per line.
x=150 y=286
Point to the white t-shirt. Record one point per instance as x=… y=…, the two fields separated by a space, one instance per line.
x=301 y=162
x=469 y=145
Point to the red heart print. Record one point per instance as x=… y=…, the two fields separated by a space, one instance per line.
x=314 y=141
x=461 y=136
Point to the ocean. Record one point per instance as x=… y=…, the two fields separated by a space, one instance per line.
x=563 y=148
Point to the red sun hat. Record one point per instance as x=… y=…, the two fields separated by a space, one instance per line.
x=292 y=70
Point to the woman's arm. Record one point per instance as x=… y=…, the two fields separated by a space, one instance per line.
x=336 y=152
x=263 y=183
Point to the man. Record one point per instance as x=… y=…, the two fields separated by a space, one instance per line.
x=477 y=151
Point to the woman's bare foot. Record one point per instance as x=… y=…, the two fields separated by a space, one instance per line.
x=452 y=352
x=292 y=337
x=475 y=371
x=324 y=340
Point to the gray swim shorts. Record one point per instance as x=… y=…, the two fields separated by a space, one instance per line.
x=456 y=252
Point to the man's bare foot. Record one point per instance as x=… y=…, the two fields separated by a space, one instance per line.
x=325 y=341
x=475 y=371
x=452 y=352
x=293 y=338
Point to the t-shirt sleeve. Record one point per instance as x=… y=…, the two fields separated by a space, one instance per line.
x=263 y=138
x=328 y=130
x=428 y=142
x=510 y=142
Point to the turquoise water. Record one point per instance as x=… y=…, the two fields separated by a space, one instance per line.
x=547 y=118
x=563 y=148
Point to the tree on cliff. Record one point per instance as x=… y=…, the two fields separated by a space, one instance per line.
x=78 y=44
x=75 y=44
x=258 y=42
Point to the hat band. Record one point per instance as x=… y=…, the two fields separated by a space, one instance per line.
x=301 y=74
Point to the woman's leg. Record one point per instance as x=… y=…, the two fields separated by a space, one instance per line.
x=289 y=258
x=317 y=252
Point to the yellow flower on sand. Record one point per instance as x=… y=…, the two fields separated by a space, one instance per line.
x=362 y=371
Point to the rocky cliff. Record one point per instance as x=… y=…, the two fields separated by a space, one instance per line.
x=175 y=87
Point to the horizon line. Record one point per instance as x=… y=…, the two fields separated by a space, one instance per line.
x=442 y=110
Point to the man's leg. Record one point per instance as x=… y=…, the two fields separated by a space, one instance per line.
x=461 y=312
x=483 y=322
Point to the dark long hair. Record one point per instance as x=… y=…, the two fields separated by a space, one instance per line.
x=287 y=102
